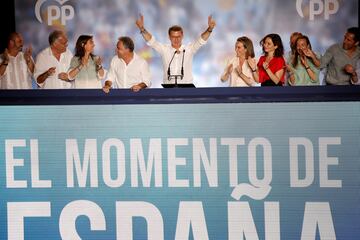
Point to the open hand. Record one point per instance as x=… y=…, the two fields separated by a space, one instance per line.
x=6 y=55
x=308 y=52
x=28 y=54
x=252 y=63
x=229 y=69
x=211 y=22
x=140 y=22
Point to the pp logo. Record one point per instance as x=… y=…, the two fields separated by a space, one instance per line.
x=318 y=7
x=55 y=12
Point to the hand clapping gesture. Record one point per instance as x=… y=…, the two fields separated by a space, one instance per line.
x=98 y=60
x=6 y=56
x=229 y=69
x=265 y=65
x=28 y=54
x=252 y=63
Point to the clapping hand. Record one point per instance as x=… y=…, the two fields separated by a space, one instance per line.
x=6 y=55
x=28 y=54
x=229 y=69
x=98 y=62
x=252 y=63
x=51 y=71
x=265 y=65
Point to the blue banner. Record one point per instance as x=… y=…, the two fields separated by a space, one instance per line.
x=183 y=171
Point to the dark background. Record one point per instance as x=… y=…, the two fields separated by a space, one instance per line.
x=7 y=20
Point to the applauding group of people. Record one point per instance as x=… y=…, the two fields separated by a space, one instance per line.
x=56 y=67
x=301 y=67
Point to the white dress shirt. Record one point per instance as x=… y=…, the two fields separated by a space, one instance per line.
x=167 y=52
x=45 y=60
x=127 y=75
x=17 y=74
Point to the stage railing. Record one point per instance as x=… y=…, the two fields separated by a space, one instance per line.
x=179 y=95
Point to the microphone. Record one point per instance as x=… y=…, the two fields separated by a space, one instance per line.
x=168 y=71
x=182 y=65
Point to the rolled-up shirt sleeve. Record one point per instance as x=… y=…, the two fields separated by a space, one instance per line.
x=145 y=73
x=111 y=75
x=326 y=58
x=195 y=46
x=41 y=66
x=159 y=47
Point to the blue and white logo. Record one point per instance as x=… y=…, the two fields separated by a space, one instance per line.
x=317 y=8
x=55 y=12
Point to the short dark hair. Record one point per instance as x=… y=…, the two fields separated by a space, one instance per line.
x=127 y=42
x=355 y=31
x=276 y=39
x=175 y=28
x=248 y=45
x=54 y=36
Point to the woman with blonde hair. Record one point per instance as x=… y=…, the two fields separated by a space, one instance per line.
x=237 y=68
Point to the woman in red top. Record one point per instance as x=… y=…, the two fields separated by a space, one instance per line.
x=270 y=68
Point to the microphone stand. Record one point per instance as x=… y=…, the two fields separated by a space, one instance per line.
x=181 y=76
x=168 y=70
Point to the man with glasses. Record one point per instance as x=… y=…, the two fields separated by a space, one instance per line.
x=52 y=63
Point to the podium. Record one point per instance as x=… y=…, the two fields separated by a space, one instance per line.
x=178 y=85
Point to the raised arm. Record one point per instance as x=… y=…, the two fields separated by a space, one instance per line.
x=211 y=25
x=140 y=24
